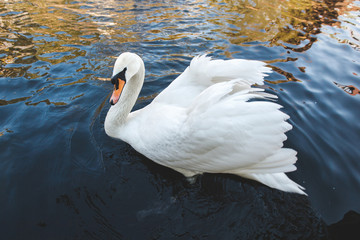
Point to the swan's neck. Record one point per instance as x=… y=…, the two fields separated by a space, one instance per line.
x=117 y=116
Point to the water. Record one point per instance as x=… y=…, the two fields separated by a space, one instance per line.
x=61 y=177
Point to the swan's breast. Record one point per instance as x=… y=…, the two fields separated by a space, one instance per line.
x=156 y=131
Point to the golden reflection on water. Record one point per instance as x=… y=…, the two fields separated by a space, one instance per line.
x=59 y=31
x=349 y=89
x=263 y=21
x=242 y=22
x=276 y=22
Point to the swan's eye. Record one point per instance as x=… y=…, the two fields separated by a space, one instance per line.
x=120 y=75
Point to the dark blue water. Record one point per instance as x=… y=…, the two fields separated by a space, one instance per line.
x=62 y=177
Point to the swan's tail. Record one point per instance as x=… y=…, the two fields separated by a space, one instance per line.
x=271 y=171
x=277 y=180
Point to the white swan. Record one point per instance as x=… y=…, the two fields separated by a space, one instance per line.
x=204 y=122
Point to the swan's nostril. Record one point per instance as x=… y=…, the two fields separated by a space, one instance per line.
x=111 y=102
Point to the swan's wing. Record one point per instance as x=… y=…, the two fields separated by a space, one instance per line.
x=204 y=72
x=229 y=128
x=224 y=132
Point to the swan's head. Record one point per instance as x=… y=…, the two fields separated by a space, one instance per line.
x=128 y=67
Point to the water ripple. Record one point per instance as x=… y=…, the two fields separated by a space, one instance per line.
x=57 y=161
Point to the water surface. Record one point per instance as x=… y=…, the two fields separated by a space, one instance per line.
x=62 y=178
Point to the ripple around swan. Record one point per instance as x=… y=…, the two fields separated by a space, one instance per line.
x=55 y=58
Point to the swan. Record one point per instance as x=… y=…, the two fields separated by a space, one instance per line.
x=209 y=119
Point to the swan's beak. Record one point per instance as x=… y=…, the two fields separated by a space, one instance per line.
x=117 y=91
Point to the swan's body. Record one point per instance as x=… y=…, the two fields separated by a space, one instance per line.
x=204 y=122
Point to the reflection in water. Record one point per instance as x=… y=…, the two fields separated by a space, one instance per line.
x=56 y=159
x=350 y=89
x=293 y=22
x=30 y=37
x=5 y=131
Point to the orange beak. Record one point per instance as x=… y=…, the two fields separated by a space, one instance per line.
x=117 y=92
